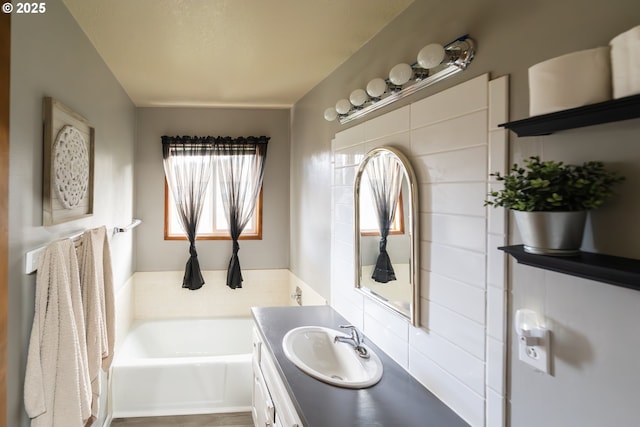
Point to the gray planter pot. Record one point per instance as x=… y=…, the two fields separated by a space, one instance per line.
x=551 y=233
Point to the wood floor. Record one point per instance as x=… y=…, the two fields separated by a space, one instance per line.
x=238 y=419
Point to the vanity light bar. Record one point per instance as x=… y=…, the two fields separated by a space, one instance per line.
x=435 y=63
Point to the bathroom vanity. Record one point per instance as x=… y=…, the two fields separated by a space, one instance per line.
x=286 y=396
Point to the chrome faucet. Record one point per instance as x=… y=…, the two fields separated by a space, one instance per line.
x=356 y=339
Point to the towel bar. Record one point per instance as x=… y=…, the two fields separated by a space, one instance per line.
x=31 y=257
x=136 y=222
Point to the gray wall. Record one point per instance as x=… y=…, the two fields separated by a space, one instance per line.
x=50 y=56
x=153 y=252
x=595 y=341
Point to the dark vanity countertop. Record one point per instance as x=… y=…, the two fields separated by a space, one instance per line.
x=398 y=400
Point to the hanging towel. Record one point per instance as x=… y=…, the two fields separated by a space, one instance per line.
x=96 y=280
x=57 y=389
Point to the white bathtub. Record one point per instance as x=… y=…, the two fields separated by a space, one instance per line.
x=184 y=366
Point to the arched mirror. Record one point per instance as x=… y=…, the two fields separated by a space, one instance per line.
x=386 y=231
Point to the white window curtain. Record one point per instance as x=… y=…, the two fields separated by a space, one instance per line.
x=385 y=178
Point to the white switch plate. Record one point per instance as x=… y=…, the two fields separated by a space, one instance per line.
x=538 y=355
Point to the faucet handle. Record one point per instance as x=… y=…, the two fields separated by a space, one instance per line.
x=355 y=334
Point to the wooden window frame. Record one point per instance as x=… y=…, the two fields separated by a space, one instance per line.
x=253 y=236
x=398 y=222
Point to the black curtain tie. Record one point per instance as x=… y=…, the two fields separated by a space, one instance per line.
x=383 y=273
x=192 y=275
x=234 y=274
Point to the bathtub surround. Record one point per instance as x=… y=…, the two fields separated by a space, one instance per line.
x=309 y=295
x=124 y=311
x=154 y=295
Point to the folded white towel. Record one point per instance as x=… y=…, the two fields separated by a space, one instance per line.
x=625 y=63
x=569 y=81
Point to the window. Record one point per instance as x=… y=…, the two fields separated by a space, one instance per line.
x=213 y=223
x=369 y=218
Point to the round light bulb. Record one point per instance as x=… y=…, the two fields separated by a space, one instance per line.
x=376 y=87
x=330 y=114
x=400 y=74
x=358 y=97
x=431 y=55
x=343 y=106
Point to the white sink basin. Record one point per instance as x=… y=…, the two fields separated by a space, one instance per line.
x=313 y=350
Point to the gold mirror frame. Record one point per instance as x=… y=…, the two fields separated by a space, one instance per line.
x=411 y=227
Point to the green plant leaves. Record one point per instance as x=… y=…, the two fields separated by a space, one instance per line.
x=554 y=186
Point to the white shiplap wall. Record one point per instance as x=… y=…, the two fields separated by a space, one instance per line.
x=453 y=143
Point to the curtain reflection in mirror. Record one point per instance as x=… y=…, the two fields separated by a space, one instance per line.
x=384 y=175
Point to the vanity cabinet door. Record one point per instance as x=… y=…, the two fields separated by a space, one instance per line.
x=263 y=410
x=285 y=410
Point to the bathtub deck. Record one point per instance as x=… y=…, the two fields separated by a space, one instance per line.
x=238 y=419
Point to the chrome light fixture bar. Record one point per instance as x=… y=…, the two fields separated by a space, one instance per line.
x=435 y=63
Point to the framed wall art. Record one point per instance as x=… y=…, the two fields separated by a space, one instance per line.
x=68 y=163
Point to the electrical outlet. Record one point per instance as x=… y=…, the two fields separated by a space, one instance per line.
x=537 y=355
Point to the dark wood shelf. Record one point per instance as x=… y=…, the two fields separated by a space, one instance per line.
x=603 y=112
x=610 y=269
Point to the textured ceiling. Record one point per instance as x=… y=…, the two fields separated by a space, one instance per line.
x=237 y=53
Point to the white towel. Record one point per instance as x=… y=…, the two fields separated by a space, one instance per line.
x=569 y=81
x=57 y=389
x=625 y=63
x=96 y=280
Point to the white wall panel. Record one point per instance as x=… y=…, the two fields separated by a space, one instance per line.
x=459 y=264
x=464 y=401
x=453 y=166
x=465 y=232
x=446 y=292
x=459 y=330
x=392 y=123
x=461 y=132
x=456 y=101
x=449 y=146
x=465 y=198
x=464 y=366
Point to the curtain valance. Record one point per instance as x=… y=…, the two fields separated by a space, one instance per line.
x=210 y=140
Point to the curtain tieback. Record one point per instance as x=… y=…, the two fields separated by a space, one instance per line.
x=192 y=251
x=383 y=244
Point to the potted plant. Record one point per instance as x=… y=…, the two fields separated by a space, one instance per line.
x=550 y=201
